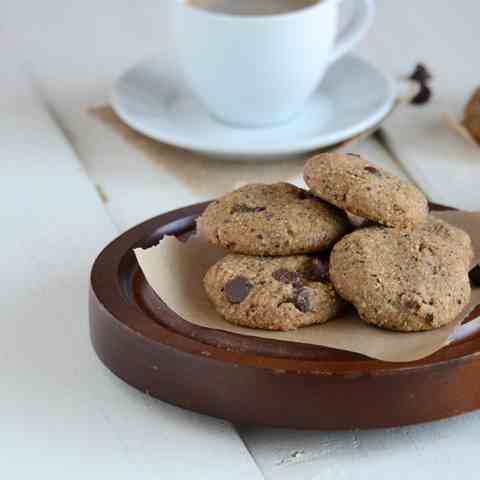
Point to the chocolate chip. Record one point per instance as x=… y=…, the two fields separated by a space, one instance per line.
x=286 y=276
x=301 y=300
x=317 y=271
x=243 y=208
x=237 y=289
x=475 y=275
x=373 y=170
x=423 y=96
x=421 y=74
x=411 y=305
x=429 y=317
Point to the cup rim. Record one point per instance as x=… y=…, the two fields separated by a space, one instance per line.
x=256 y=18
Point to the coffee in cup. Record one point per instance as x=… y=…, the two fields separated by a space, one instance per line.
x=252 y=7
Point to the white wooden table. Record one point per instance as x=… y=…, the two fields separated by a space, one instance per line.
x=63 y=415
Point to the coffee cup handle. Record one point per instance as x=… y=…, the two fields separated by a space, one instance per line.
x=362 y=19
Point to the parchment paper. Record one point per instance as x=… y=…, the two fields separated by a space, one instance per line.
x=175 y=271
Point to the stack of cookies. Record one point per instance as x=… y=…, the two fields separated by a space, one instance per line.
x=297 y=259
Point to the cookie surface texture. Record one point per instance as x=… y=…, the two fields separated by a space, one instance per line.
x=400 y=279
x=460 y=241
x=278 y=219
x=273 y=293
x=351 y=183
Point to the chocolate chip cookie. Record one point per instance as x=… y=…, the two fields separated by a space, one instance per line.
x=273 y=293
x=407 y=280
x=278 y=219
x=351 y=183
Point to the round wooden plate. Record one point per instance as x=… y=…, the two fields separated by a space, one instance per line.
x=257 y=381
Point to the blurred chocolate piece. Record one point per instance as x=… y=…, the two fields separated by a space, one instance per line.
x=373 y=170
x=317 y=271
x=242 y=208
x=475 y=275
x=301 y=300
x=423 y=96
x=237 y=289
x=283 y=275
x=421 y=74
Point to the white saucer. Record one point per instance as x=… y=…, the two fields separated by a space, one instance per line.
x=153 y=99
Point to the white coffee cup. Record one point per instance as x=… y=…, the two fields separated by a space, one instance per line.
x=258 y=71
